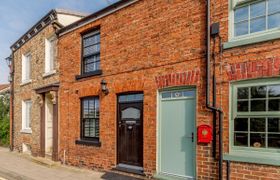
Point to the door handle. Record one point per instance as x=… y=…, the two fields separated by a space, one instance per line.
x=192 y=137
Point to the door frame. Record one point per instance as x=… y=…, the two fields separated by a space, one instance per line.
x=117 y=123
x=41 y=92
x=158 y=124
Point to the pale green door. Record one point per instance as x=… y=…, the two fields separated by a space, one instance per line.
x=177 y=134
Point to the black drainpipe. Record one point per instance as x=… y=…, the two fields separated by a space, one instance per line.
x=208 y=105
x=12 y=92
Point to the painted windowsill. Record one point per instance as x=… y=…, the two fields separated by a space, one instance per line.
x=26 y=131
x=23 y=83
x=88 y=143
x=253 y=158
x=253 y=39
x=47 y=74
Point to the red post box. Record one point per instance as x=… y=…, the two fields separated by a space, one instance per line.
x=204 y=133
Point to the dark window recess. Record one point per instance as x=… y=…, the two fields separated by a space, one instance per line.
x=91 y=53
x=90 y=119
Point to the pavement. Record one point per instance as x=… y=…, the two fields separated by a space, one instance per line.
x=16 y=166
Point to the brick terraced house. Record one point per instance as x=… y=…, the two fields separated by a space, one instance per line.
x=34 y=122
x=144 y=84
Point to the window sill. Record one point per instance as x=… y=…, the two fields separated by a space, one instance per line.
x=88 y=143
x=47 y=74
x=257 y=158
x=25 y=82
x=94 y=73
x=26 y=131
x=253 y=39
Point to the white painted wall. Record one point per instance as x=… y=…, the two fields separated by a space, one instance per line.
x=65 y=19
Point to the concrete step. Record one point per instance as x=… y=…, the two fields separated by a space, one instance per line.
x=42 y=161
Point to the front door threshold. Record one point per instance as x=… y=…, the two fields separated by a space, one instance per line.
x=130 y=169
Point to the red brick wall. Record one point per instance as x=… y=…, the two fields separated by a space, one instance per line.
x=145 y=47
x=260 y=60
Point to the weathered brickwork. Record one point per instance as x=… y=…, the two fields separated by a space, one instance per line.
x=145 y=47
x=36 y=47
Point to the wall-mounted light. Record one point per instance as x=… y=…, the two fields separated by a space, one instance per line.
x=9 y=61
x=104 y=87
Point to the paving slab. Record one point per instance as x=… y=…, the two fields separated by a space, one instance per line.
x=16 y=166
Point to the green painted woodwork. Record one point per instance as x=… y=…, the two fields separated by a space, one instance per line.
x=249 y=39
x=176 y=147
x=253 y=38
x=246 y=154
x=270 y=159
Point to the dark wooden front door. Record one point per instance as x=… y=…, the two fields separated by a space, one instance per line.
x=130 y=133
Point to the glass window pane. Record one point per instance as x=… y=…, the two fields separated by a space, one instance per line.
x=241 y=14
x=258 y=105
x=86 y=123
x=274 y=91
x=240 y=139
x=91 y=109
x=242 y=106
x=86 y=132
x=85 y=108
x=274 y=105
x=257 y=124
x=166 y=95
x=273 y=6
x=273 y=125
x=257 y=25
x=132 y=97
x=241 y=28
x=189 y=93
x=90 y=59
x=90 y=67
x=96 y=108
x=131 y=113
x=139 y=97
x=273 y=140
x=258 y=92
x=241 y=124
x=257 y=140
x=92 y=49
x=177 y=94
x=242 y=93
x=257 y=9
x=274 y=21
x=92 y=40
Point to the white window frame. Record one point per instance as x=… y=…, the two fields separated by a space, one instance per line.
x=26 y=68
x=26 y=116
x=50 y=55
x=261 y=36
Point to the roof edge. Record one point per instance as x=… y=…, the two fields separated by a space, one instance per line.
x=46 y=20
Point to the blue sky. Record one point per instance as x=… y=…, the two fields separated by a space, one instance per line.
x=17 y=16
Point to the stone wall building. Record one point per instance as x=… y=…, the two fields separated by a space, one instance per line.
x=133 y=89
x=35 y=68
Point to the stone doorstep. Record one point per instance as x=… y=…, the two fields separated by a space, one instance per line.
x=40 y=160
x=126 y=174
